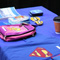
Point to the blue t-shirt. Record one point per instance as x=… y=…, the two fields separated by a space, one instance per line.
x=39 y=47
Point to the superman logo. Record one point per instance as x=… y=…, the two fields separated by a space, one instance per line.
x=41 y=52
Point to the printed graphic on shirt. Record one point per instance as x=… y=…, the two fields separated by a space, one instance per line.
x=41 y=52
x=14 y=28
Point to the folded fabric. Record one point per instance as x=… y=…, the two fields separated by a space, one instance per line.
x=15 y=32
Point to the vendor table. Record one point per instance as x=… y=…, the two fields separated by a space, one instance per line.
x=28 y=49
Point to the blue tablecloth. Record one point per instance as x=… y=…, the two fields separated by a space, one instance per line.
x=45 y=38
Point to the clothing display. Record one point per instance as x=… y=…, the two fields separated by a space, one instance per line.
x=45 y=45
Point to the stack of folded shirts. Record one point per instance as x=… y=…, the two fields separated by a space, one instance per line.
x=18 y=20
